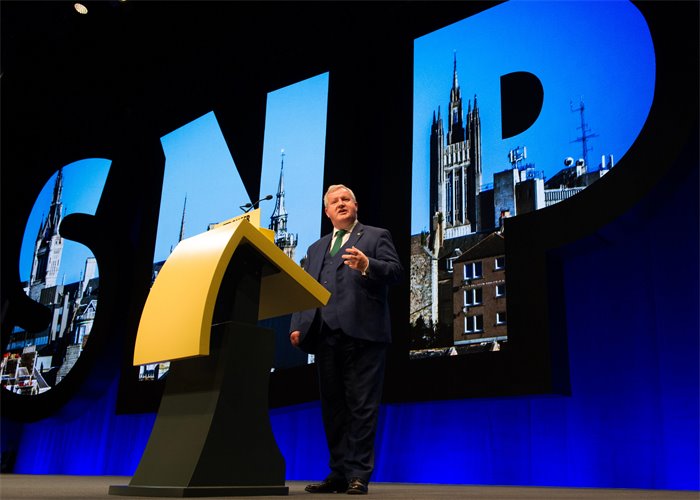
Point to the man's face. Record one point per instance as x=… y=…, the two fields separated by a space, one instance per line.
x=341 y=209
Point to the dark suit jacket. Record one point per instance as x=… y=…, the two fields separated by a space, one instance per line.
x=362 y=300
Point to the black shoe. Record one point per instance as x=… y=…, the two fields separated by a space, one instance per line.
x=357 y=487
x=328 y=486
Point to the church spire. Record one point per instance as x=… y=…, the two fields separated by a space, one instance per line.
x=455 y=83
x=50 y=226
x=48 y=247
x=286 y=241
x=455 y=124
x=182 y=222
x=278 y=220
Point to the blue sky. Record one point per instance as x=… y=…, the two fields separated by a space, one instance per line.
x=599 y=51
x=83 y=182
x=296 y=123
x=199 y=166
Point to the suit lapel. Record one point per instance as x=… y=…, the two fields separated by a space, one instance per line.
x=324 y=245
x=356 y=235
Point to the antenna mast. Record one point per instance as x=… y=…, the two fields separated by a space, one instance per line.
x=585 y=132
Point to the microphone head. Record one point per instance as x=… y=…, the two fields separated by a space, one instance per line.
x=268 y=197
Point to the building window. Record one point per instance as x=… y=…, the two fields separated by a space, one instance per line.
x=450 y=263
x=458 y=196
x=474 y=324
x=473 y=296
x=500 y=318
x=81 y=334
x=472 y=270
x=501 y=290
x=449 y=199
x=500 y=263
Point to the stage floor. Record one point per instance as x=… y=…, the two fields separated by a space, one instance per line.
x=50 y=487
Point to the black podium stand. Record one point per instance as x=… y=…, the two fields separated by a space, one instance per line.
x=212 y=434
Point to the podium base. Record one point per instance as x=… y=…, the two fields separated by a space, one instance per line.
x=196 y=491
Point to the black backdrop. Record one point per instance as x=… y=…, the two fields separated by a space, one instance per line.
x=111 y=83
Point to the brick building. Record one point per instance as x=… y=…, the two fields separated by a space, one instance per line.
x=479 y=293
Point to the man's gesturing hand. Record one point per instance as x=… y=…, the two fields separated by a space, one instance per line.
x=357 y=260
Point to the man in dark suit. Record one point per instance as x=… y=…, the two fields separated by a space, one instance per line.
x=349 y=337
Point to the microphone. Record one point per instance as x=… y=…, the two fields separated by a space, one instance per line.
x=250 y=206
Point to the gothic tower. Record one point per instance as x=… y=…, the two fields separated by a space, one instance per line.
x=455 y=166
x=48 y=247
x=278 y=220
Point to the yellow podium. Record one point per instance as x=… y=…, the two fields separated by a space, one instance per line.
x=212 y=434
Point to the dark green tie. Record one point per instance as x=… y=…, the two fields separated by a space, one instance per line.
x=338 y=241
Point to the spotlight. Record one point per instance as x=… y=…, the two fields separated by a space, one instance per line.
x=80 y=8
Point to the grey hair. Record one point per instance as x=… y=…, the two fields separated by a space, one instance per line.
x=335 y=187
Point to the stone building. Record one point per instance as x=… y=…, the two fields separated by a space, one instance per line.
x=48 y=246
x=455 y=165
x=72 y=308
x=285 y=240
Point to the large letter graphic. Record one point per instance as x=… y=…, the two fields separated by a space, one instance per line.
x=60 y=275
x=521 y=102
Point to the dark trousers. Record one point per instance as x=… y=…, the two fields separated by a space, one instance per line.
x=351 y=377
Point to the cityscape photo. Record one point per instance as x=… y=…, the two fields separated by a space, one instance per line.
x=59 y=274
x=468 y=178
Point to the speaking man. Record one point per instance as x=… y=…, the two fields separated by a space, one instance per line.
x=349 y=337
